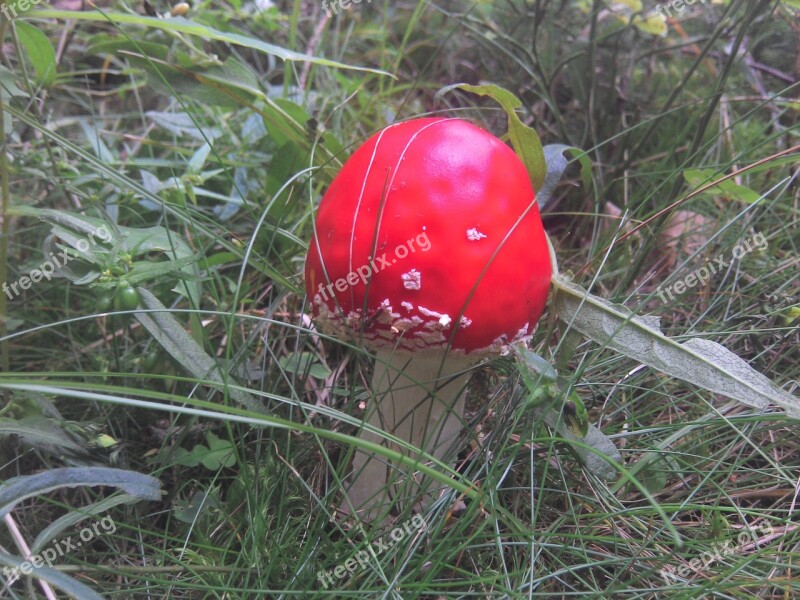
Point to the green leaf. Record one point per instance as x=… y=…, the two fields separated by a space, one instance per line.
x=188 y=459
x=699 y=177
x=535 y=370
x=698 y=361
x=199 y=158
x=540 y=379
x=8 y=82
x=190 y=511
x=9 y=89
x=524 y=139
x=221 y=453
x=17 y=489
x=575 y=415
x=594 y=461
x=185 y=26
x=107 y=44
x=45 y=434
x=166 y=330
x=74 y=229
x=146 y=270
x=39 y=50
x=301 y=363
x=654 y=23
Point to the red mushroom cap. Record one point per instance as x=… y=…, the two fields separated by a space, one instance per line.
x=429 y=238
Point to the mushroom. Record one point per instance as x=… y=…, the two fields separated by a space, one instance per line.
x=430 y=252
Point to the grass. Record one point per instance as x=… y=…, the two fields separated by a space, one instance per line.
x=229 y=148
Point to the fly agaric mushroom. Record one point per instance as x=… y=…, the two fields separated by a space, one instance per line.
x=429 y=250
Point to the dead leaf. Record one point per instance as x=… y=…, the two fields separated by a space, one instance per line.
x=684 y=234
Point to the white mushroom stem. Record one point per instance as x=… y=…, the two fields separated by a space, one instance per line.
x=419 y=399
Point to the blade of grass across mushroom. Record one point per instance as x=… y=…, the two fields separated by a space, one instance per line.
x=701 y=362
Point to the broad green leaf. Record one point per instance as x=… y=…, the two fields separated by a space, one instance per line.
x=39 y=50
x=185 y=458
x=168 y=332
x=575 y=415
x=147 y=270
x=698 y=361
x=8 y=83
x=524 y=139
x=218 y=85
x=199 y=158
x=630 y=5
x=302 y=362
x=107 y=44
x=15 y=490
x=185 y=26
x=534 y=369
x=181 y=124
x=99 y=236
x=200 y=504
x=221 y=453
x=699 y=177
x=9 y=89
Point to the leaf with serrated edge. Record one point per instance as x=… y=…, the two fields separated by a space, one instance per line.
x=698 y=361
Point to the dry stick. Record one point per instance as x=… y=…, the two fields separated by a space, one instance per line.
x=26 y=552
x=691 y=195
x=311 y=49
x=5 y=229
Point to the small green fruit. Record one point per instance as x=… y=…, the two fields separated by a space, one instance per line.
x=126 y=298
